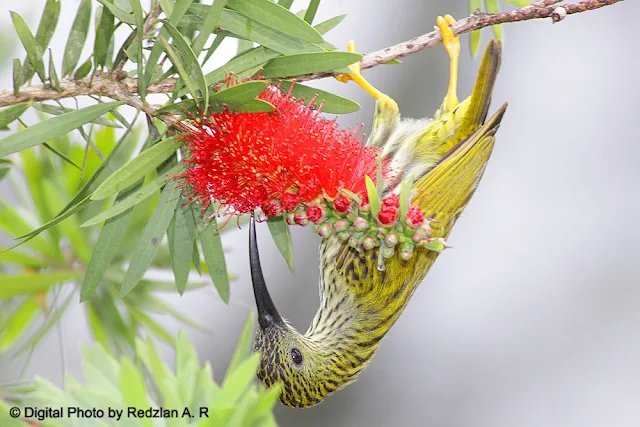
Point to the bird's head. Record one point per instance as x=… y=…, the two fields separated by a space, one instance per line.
x=302 y=365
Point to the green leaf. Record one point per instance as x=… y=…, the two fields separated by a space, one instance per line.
x=249 y=29
x=105 y=250
x=10 y=114
x=286 y=3
x=175 y=14
x=274 y=16
x=123 y=15
x=192 y=74
x=372 y=194
x=46 y=28
x=53 y=128
x=83 y=70
x=104 y=32
x=243 y=347
x=48 y=23
x=151 y=236
x=31 y=45
x=181 y=235
x=136 y=169
x=311 y=11
x=328 y=25
x=13 y=285
x=237 y=381
x=133 y=198
x=213 y=253
x=14 y=222
x=306 y=63
x=208 y=25
x=492 y=7
x=17 y=76
x=187 y=367
x=137 y=13
x=249 y=59
x=53 y=76
x=134 y=389
x=331 y=103
x=18 y=258
x=5 y=168
x=57 y=110
x=77 y=38
x=19 y=321
x=282 y=238
x=405 y=196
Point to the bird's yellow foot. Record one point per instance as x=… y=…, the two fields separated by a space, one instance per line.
x=356 y=76
x=452 y=45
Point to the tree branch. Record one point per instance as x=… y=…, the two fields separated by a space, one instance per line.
x=126 y=90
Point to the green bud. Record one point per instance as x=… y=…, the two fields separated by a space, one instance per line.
x=361 y=224
x=368 y=243
x=406 y=251
x=392 y=239
x=341 y=225
x=344 y=235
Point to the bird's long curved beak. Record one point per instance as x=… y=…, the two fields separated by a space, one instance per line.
x=267 y=313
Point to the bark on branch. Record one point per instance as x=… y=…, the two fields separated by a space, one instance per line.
x=126 y=90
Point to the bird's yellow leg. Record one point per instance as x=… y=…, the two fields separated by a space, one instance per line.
x=452 y=45
x=356 y=76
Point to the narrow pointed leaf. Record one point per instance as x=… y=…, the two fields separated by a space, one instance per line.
x=331 y=103
x=84 y=70
x=208 y=25
x=19 y=322
x=193 y=75
x=53 y=76
x=48 y=23
x=17 y=76
x=282 y=238
x=249 y=59
x=181 y=236
x=134 y=390
x=53 y=128
x=57 y=110
x=181 y=7
x=10 y=114
x=134 y=198
x=137 y=13
x=328 y=25
x=305 y=63
x=213 y=254
x=123 y=15
x=311 y=11
x=274 y=16
x=151 y=237
x=31 y=45
x=136 y=169
x=285 y=3
x=372 y=194
x=77 y=38
x=243 y=347
x=249 y=29
x=104 y=32
x=23 y=284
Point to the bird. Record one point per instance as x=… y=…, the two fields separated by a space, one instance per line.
x=359 y=303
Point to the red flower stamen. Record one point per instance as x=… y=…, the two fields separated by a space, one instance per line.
x=275 y=160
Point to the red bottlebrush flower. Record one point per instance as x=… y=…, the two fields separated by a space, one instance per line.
x=392 y=201
x=248 y=160
x=341 y=204
x=387 y=215
x=315 y=213
x=271 y=209
x=290 y=201
x=415 y=217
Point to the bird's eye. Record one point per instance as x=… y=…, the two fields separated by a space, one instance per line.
x=296 y=356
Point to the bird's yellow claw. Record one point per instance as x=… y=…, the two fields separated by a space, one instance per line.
x=356 y=76
x=452 y=45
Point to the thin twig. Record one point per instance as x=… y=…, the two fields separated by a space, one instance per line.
x=126 y=90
